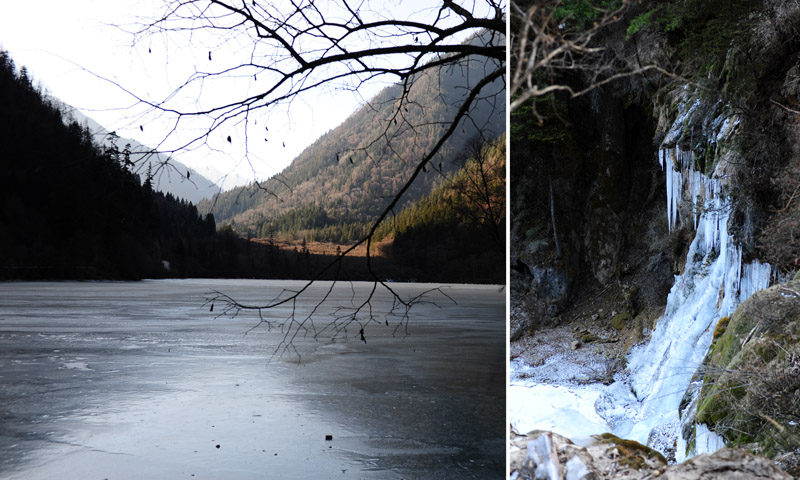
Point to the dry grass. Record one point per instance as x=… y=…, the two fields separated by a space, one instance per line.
x=328 y=248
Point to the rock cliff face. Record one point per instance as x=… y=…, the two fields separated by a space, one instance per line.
x=583 y=204
x=651 y=180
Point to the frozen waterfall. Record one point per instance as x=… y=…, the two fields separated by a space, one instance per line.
x=713 y=283
x=644 y=402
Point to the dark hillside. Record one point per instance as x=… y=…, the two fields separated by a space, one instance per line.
x=71 y=209
x=457 y=232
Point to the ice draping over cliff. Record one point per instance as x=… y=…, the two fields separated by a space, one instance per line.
x=710 y=287
x=644 y=402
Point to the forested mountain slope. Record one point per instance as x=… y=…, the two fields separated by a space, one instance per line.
x=72 y=209
x=456 y=233
x=349 y=175
x=167 y=175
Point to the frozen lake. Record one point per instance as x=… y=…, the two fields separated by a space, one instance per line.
x=118 y=380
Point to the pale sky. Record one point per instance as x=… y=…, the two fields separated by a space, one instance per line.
x=60 y=42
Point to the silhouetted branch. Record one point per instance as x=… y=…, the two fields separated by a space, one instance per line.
x=305 y=46
x=547 y=42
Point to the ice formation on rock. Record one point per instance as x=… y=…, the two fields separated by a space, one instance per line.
x=712 y=284
x=541 y=454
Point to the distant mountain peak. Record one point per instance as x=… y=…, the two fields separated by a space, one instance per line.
x=169 y=174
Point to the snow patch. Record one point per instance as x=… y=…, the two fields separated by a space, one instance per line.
x=568 y=411
x=75 y=365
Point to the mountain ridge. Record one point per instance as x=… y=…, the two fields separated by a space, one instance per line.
x=352 y=172
x=169 y=175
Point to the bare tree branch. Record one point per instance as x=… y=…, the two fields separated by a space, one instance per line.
x=547 y=42
x=280 y=51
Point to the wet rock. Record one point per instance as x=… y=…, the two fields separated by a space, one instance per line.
x=548 y=456
x=726 y=464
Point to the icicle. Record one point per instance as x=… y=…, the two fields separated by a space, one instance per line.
x=669 y=196
x=540 y=454
x=674 y=185
x=755 y=277
x=706 y=440
x=712 y=284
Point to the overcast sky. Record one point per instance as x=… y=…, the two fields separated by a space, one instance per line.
x=66 y=45
x=61 y=42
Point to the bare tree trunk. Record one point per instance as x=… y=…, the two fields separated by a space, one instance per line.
x=553 y=219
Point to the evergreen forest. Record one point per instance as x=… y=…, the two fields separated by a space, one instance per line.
x=72 y=209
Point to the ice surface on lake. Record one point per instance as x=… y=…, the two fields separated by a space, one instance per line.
x=132 y=380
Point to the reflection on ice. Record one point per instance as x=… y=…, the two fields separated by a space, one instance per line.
x=151 y=385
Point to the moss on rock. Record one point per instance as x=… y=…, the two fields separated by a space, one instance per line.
x=722 y=324
x=589 y=338
x=632 y=453
x=621 y=320
x=751 y=393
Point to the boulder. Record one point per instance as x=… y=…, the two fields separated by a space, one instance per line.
x=726 y=464
x=751 y=390
x=542 y=455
